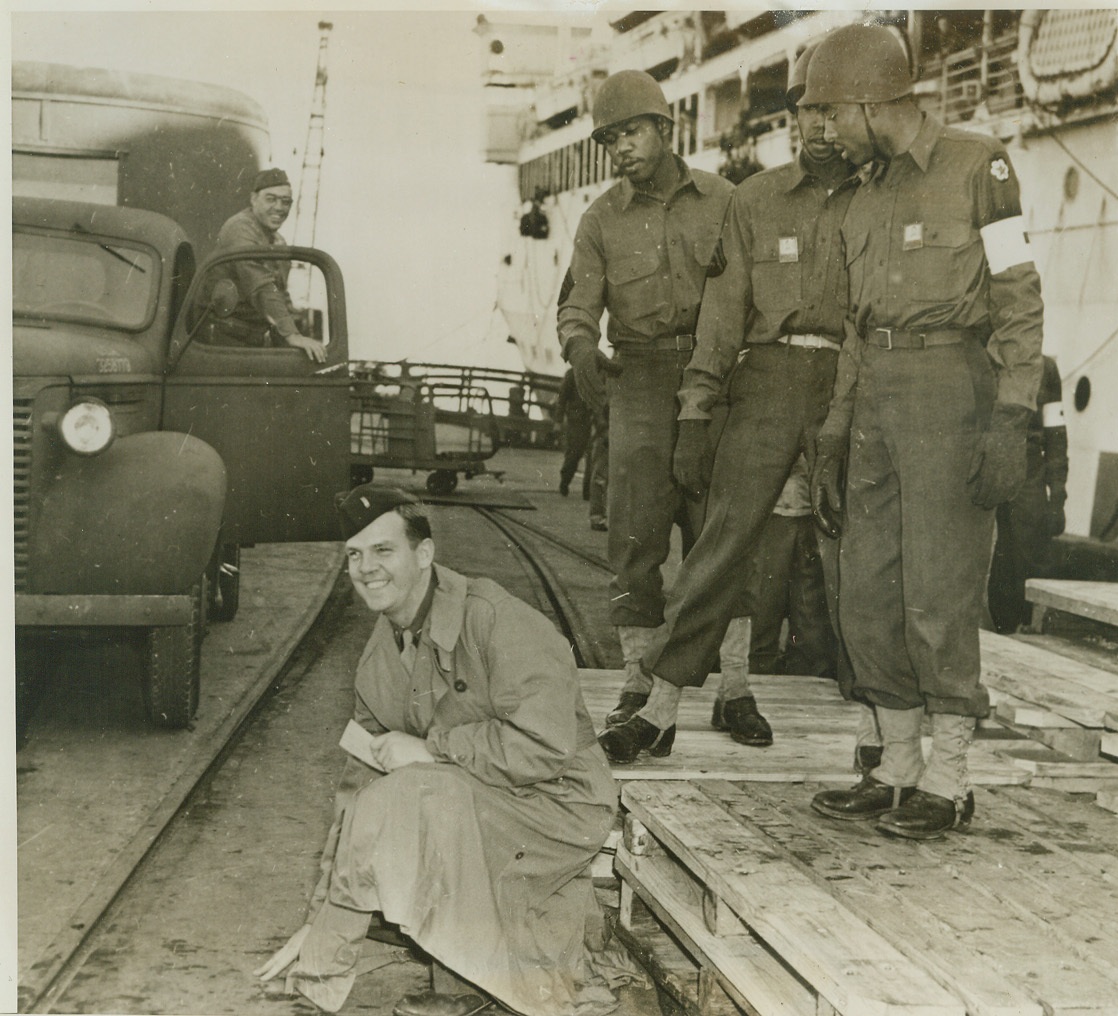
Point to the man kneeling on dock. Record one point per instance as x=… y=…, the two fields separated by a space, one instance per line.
x=474 y=795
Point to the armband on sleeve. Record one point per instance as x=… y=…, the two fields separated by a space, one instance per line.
x=1006 y=244
x=1053 y=414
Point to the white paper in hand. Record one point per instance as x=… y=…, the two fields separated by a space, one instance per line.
x=359 y=743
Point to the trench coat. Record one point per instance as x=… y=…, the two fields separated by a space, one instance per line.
x=483 y=857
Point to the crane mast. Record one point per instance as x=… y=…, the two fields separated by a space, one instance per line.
x=306 y=205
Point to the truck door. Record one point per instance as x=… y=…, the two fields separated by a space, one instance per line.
x=280 y=421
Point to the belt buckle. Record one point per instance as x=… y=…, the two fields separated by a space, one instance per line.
x=679 y=343
x=888 y=335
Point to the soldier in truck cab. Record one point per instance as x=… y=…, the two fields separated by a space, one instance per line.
x=263 y=315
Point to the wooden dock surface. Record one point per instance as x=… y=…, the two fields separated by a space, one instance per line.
x=744 y=900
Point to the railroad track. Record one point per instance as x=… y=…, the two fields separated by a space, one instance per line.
x=527 y=541
x=541 y=556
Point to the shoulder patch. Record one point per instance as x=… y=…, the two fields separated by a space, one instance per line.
x=999 y=170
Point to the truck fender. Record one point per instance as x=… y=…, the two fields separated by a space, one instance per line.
x=140 y=518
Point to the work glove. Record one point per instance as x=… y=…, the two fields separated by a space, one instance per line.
x=827 y=482
x=693 y=460
x=997 y=468
x=591 y=366
x=1055 y=521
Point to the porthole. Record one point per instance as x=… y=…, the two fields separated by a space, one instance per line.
x=1071 y=183
x=1082 y=393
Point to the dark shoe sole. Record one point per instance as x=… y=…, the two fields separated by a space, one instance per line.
x=752 y=742
x=846 y=816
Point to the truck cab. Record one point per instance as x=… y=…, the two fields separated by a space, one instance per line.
x=144 y=450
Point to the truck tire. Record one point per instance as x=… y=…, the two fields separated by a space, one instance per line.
x=225 y=582
x=172 y=673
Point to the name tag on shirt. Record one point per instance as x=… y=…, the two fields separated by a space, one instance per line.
x=789 y=249
x=913 y=236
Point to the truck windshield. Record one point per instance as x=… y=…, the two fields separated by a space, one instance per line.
x=79 y=278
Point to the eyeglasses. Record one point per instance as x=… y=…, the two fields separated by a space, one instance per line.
x=272 y=200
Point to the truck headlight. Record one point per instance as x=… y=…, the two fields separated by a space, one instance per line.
x=87 y=427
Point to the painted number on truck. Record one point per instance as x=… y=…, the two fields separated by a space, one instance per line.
x=114 y=365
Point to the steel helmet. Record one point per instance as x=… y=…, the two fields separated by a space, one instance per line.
x=797 y=80
x=858 y=63
x=625 y=95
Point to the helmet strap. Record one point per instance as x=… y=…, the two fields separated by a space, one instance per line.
x=877 y=150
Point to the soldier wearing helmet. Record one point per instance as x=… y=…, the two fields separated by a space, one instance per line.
x=770 y=328
x=936 y=384
x=641 y=251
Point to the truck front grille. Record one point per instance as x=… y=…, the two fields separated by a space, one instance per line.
x=21 y=463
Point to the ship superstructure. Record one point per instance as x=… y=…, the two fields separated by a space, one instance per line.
x=1045 y=82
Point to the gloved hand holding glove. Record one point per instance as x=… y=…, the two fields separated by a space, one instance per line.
x=827 y=482
x=591 y=366
x=998 y=465
x=693 y=460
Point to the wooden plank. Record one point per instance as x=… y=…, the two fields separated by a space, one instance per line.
x=1079 y=743
x=1018 y=712
x=1071 y=689
x=676 y=974
x=1092 y=652
x=1029 y=907
x=1042 y=761
x=1108 y=743
x=1096 y=600
x=869 y=875
x=855 y=969
x=747 y=972
x=1107 y=799
x=1068 y=825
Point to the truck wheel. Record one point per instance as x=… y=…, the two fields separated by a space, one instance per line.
x=225 y=582
x=173 y=667
x=442 y=481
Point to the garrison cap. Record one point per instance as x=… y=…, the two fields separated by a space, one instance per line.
x=364 y=504
x=269 y=178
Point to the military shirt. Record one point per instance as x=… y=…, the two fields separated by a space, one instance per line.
x=643 y=259
x=783 y=274
x=262 y=285
x=934 y=240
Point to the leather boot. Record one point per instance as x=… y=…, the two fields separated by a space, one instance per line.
x=623 y=743
x=634 y=693
x=745 y=723
x=868 y=799
x=927 y=816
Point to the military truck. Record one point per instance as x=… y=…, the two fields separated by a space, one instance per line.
x=145 y=452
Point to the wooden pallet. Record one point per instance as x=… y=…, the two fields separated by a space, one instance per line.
x=789 y=913
x=1095 y=600
x=1066 y=704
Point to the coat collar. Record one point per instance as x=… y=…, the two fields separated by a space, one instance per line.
x=448 y=608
